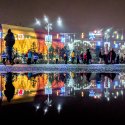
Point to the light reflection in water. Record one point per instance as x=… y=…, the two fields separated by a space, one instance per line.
x=24 y=85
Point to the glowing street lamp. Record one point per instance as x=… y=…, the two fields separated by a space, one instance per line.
x=46 y=19
x=48 y=27
x=59 y=21
x=37 y=22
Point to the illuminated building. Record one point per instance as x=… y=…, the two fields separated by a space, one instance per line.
x=28 y=38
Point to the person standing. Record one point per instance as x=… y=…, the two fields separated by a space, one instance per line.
x=101 y=56
x=65 y=58
x=29 y=57
x=78 y=62
x=89 y=57
x=10 y=41
x=85 y=58
x=112 y=56
x=73 y=56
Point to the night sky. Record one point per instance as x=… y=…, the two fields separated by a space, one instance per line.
x=77 y=15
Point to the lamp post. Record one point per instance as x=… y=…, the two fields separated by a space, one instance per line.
x=48 y=27
x=48 y=42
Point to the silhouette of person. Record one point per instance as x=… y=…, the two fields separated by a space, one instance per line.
x=10 y=41
x=10 y=89
x=89 y=57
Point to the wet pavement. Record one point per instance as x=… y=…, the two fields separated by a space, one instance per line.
x=62 y=97
x=48 y=68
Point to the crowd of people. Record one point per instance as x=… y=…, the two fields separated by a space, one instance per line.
x=73 y=57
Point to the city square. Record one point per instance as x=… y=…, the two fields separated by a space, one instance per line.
x=62 y=62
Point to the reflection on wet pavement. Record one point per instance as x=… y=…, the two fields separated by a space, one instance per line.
x=45 y=91
x=15 y=87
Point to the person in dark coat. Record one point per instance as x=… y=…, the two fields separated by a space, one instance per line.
x=29 y=57
x=78 y=62
x=101 y=55
x=82 y=57
x=89 y=57
x=112 y=56
x=65 y=58
x=10 y=41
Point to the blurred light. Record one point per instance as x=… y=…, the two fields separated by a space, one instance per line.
x=50 y=25
x=57 y=92
x=117 y=36
x=108 y=99
x=45 y=110
x=48 y=38
x=98 y=43
x=116 y=83
x=0 y=34
x=117 y=93
x=48 y=90
x=116 y=45
x=108 y=30
x=99 y=86
x=57 y=36
x=122 y=37
x=63 y=39
x=91 y=93
x=20 y=92
x=62 y=89
x=95 y=31
x=82 y=93
x=59 y=108
x=0 y=94
x=37 y=22
x=82 y=36
x=122 y=92
x=46 y=19
x=59 y=21
x=91 y=36
x=37 y=107
x=115 y=32
x=114 y=42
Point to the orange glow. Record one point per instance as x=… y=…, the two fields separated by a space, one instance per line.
x=57 y=36
x=28 y=38
x=25 y=37
x=82 y=94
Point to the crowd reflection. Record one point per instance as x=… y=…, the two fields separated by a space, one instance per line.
x=95 y=85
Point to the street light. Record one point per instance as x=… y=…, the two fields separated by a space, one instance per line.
x=59 y=21
x=46 y=19
x=37 y=22
x=48 y=27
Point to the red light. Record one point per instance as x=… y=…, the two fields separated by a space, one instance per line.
x=20 y=92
